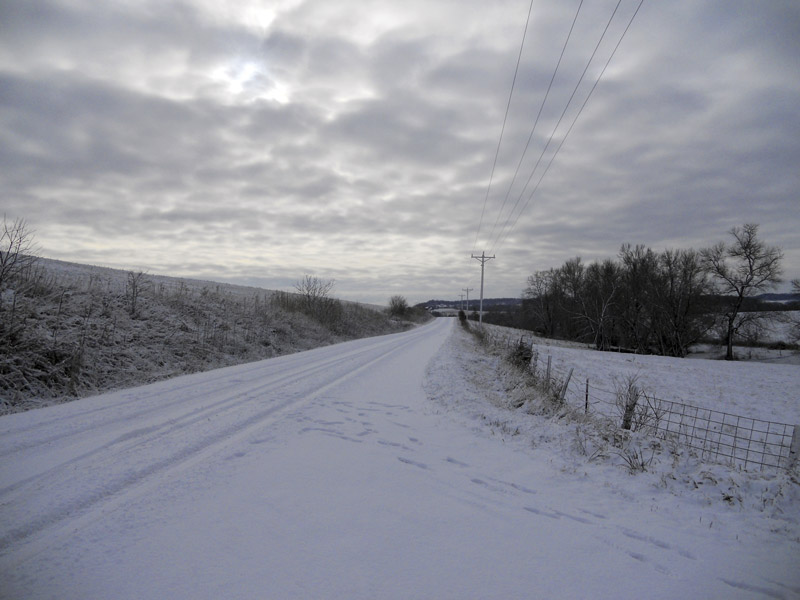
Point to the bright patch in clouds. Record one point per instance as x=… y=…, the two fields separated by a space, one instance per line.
x=355 y=139
x=248 y=81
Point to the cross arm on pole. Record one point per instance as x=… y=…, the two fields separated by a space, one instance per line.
x=483 y=259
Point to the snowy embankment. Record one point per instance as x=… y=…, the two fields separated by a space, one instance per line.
x=69 y=330
x=379 y=468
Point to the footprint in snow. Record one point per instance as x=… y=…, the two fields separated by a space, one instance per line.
x=487 y=485
x=557 y=514
x=395 y=445
x=260 y=441
x=331 y=433
x=453 y=461
x=542 y=513
x=637 y=556
x=593 y=514
x=660 y=544
x=408 y=461
x=516 y=486
x=574 y=518
x=741 y=585
x=645 y=538
x=522 y=488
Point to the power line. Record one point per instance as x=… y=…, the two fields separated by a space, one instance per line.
x=508 y=223
x=536 y=122
x=564 y=139
x=558 y=123
x=502 y=130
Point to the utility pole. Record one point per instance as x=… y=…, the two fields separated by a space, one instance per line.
x=468 y=290
x=482 y=258
x=462 y=301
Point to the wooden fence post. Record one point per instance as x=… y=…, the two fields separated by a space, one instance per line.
x=563 y=391
x=586 y=410
x=547 y=376
x=794 y=449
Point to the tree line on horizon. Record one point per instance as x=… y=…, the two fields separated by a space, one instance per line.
x=653 y=302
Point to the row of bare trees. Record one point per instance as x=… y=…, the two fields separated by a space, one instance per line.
x=644 y=301
x=648 y=301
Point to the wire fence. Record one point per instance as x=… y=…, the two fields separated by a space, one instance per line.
x=713 y=435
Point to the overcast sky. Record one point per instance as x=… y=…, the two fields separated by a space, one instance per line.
x=255 y=142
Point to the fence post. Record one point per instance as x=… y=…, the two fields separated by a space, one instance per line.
x=563 y=391
x=547 y=377
x=586 y=410
x=794 y=449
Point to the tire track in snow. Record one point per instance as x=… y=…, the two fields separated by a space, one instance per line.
x=31 y=534
x=199 y=381
x=190 y=415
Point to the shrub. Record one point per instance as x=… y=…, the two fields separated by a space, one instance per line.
x=639 y=410
x=398 y=306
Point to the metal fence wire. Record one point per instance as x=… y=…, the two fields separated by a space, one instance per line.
x=723 y=437
x=713 y=435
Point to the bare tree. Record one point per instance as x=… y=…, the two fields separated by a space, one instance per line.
x=136 y=284
x=316 y=301
x=542 y=300
x=398 y=306
x=740 y=269
x=313 y=289
x=601 y=285
x=17 y=250
x=571 y=280
x=680 y=315
x=639 y=278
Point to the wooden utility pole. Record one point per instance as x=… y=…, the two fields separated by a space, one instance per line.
x=462 y=301
x=482 y=258
x=468 y=290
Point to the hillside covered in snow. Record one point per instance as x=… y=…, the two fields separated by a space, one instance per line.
x=69 y=330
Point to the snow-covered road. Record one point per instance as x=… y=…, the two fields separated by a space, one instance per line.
x=330 y=474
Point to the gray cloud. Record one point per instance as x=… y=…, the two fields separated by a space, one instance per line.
x=355 y=140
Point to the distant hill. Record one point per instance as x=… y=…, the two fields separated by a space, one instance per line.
x=473 y=304
x=783 y=298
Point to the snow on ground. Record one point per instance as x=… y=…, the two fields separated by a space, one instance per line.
x=758 y=390
x=378 y=468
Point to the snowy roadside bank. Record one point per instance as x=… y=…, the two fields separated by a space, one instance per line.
x=476 y=387
x=69 y=330
x=753 y=389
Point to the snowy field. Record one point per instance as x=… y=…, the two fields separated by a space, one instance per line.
x=749 y=388
x=378 y=468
